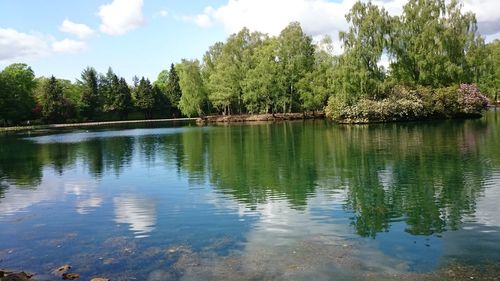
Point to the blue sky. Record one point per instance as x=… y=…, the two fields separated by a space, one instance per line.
x=142 y=37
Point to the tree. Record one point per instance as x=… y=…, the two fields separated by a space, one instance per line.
x=296 y=59
x=194 y=98
x=434 y=44
x=89 y=103
x=54 y=104
x=317 y=85
x=227 y=65
x=490 y=81
x=108 y=84
x=174 y=91
x=17 y=84
x=358 y=72
x=168 y=83
x=145 y=97
x=123 y=99
x=161 y=102
x=261 y=87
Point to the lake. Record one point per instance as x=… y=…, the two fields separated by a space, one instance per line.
x=301 y=200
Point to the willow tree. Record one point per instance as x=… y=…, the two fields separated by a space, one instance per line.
x=358 y=72
x=435 y=44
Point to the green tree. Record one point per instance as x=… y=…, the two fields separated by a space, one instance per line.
x=162 y=104
x=490 y=81
x=434 y=44
x=261 y=87
x=123 y=99
x=108 y=84
x=316 y=86
x=193 y=101
x=17 y=85
x=296 y=59
x=89 y=103
x=145 y=97
x=168 y=83
x=230 y=68
x=358 y=72
x=54 y=104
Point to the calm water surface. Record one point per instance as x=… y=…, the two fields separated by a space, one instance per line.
x=298 y=200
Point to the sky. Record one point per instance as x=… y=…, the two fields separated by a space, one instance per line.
x=143 y=37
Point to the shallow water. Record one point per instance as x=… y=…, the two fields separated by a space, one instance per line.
x=306 y=200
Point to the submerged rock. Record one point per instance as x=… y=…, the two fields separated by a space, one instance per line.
x=70 y=276
x=12 y=276
x=99 y=279
x=62 y=269
x=160 y=275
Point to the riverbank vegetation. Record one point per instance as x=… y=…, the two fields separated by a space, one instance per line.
x=437 y=66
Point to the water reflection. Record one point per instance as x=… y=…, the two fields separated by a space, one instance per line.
x=139 y=214
x=429 y=175
x=289 y=197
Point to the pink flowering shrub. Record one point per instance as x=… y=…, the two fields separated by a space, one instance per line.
x=472 y=101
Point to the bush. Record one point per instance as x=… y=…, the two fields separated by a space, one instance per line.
x=471 y=100
x=403 y=103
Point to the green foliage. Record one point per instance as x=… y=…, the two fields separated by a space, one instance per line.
x=434 y=44
x=145 y=97
x=227 y=67
x=168 y=83
x=315 y=87
x=123 y=99
x=490 y=81
x=194 y=97
x=404 y=103
x=17 y=83
x=55 y=107
x=261 y=88
x=90 y=101
x=358 y=73
x=295 y=60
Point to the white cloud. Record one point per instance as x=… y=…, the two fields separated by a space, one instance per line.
x=318 y=17
x=82 y=31
x=68 y=46
x=121 y=16
x=15 y=45
x=163 y=13
x=271 y=16
x=204 y=19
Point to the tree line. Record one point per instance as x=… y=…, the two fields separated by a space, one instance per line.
x=432 y=45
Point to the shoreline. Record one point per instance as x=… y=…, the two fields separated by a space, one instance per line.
x=268 y=117
x=90 y=124
x=212 y=119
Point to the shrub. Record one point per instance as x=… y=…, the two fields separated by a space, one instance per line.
x=471 y=100
x=404 y=103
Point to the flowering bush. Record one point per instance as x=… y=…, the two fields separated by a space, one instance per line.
x=472 y=101
x=403 y=103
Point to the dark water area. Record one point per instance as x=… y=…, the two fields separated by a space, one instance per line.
x=302 y=200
